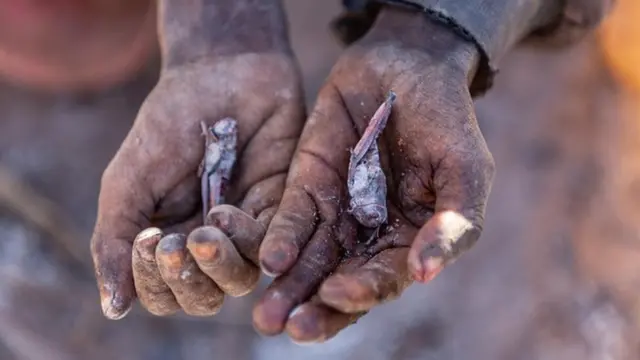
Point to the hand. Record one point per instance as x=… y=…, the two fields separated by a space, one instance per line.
x=438 y=168
x=153 y=181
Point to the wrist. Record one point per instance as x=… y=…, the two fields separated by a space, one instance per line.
x=193 y=30
x=415 y=30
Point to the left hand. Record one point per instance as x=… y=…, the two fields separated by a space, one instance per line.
x=153 y=181
x=438 y=169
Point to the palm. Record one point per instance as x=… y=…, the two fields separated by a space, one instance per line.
x=433 y=156
x=153 y=179
x=267 y=127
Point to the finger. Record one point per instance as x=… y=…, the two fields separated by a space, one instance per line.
x=125 y=205
x=462 y=187
x=246 y=233
x=263 y=195
x=154 y=294
x=462 y=184
x=317 y=260
x=398 y=233
x=179 y=205
x=266 y=216
x=196 y=293
x=315 y=184
x=451 y=161
x=218 y=258
x=290 y=229
x=445 y=236
x=268 y=154
x=314 y=322
x=381 y=279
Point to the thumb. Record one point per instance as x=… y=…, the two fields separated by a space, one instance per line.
x=125 y=206
x=459 y=215
x=440 y=241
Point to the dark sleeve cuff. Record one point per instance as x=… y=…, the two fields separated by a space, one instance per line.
x=495 y=26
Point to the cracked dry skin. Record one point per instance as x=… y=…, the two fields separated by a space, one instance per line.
x=553 y=277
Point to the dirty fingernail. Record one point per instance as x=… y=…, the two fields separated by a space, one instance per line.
x=346 y=294
x=202 y=245
x=170 y=251
x=305 y=326
x=269 y=313
x=146 y=241
x=427 y=270
x=278 y=259
x=114 y=307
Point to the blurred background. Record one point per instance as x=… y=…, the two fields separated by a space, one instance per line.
x=556 y=274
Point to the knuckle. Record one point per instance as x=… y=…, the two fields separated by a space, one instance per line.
x=478 y=164
x=109 y=174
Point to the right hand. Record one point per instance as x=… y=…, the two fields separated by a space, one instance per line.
x=153 y=181
x=438 y=171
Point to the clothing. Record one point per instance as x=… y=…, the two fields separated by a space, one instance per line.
x=495 y=26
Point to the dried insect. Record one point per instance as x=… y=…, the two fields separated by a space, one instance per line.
x=366 y=181
x=219 y=158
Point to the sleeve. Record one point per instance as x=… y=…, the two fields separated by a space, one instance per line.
x=495 y=26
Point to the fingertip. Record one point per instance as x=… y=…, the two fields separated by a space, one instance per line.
x=171 y=243
x=148 y=233
x=204 y=244
x=245 y=232
x=116 y=306
x=424 y=270
x=219 y=259
x=268 y=314
x=277 y=257
x=305 y=325
x=114 y=277
x=290 y=230
x=313 y=323
x=145 y=243
x=426 y=259
x=348 y=294
x=320 y=257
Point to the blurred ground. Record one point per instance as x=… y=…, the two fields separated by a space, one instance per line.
x=555 y=275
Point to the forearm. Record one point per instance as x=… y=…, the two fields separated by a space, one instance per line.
x=495 y=26
x=193 y=29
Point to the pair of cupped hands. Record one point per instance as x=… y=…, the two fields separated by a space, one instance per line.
x=287 y=214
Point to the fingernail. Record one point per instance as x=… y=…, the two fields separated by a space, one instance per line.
x=203 y=244
x=303 y=328
x=430 y=268
x=268 y=270
x=304 y=342
x=146 y=242
x=278 y=260
x=114 y=307
x=148 y=233
x=270 y=314
x=332 y=289
x=298 y=309
x=205 y=252
x=347 y=294
x=172 y=243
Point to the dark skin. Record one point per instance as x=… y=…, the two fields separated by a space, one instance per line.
x=210 y=64
x=438 y=169
x=439 y=172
